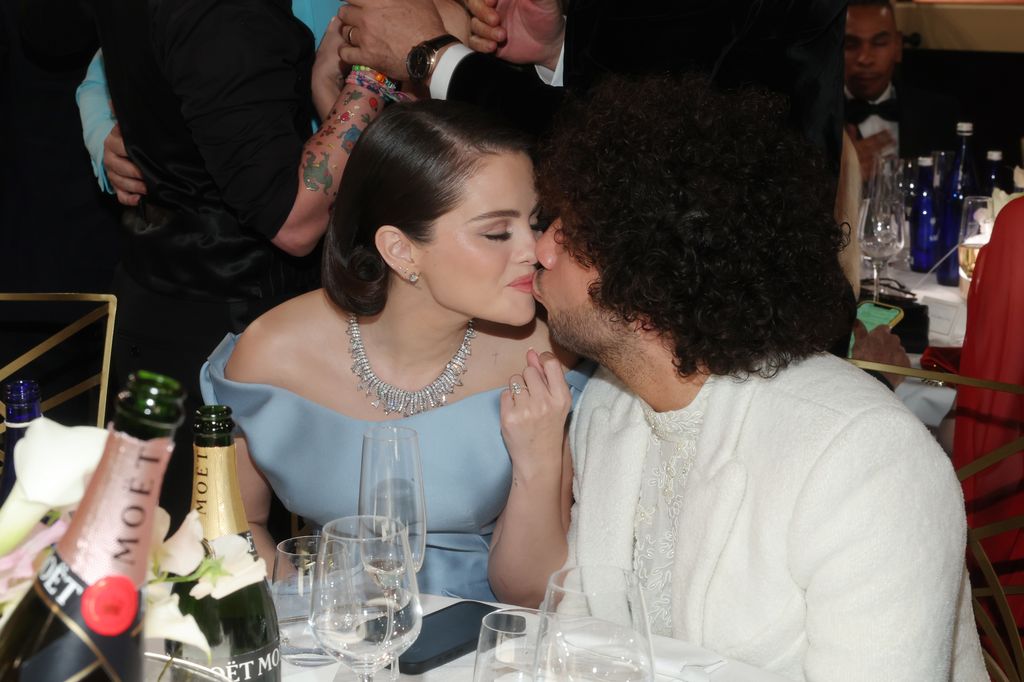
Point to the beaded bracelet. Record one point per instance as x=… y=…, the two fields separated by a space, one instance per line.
x=377 y=83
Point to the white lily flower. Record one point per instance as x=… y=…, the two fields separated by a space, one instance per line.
x=231 y=568
x=54 y=464
x=164 y=619
x=182 y=552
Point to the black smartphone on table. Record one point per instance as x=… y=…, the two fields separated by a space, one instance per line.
x=446 y=634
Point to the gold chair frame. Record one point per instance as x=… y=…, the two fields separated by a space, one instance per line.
x=1007 y=663
x=107 y=307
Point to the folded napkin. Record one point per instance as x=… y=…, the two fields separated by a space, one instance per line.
x=678 y=660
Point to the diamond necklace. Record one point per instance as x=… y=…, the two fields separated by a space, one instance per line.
x=394 y=399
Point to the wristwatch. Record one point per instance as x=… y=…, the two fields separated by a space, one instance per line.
x=421 y=59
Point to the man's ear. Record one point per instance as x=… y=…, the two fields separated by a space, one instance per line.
x=396 y=249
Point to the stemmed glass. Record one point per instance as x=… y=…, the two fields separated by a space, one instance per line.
x=365 y=609
x=594 y=627
x=882 y=233
x=391 y=482
x=975 y=229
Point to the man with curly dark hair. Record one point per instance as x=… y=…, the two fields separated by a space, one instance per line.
x=778 y=505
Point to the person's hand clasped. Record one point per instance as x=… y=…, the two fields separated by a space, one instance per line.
x=380 y=33
x=518 y=31
x=534 y=408
x=125 y=177
x=880 y=345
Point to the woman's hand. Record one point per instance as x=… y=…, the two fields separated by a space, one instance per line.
x=124 y=176
x=533 y=413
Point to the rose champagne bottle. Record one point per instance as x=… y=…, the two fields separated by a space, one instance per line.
x=82 y=618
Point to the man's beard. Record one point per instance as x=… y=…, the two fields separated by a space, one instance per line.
x=590 y=332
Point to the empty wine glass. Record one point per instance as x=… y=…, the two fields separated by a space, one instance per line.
x=366 y=608
x=882 y=233
x=507 y=647
x=391 y=482
x=594 y=627
x=291 y=588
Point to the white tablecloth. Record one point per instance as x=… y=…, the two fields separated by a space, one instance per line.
x=461 y=669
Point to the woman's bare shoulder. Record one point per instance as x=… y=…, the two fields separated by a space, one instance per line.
x=279 y=344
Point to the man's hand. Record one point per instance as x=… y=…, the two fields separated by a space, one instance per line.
x=125 y=177
x=380 y=33
x=869 y=149
x=519 y=31
x=880 y=345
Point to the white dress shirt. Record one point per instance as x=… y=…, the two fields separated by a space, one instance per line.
x=875 y=124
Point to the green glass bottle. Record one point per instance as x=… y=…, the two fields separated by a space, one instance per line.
x=241 y=627
x=82 y=619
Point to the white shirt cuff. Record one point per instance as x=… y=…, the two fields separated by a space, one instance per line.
x=444 y=69
x=554 y=78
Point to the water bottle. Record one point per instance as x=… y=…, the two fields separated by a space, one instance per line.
x=995 y=175
x=962 y=182
x=924 y=234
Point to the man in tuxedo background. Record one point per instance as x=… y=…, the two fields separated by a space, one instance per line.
x=544 y=49
x=884 y=114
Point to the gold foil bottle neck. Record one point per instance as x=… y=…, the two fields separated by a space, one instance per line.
x=215 y=492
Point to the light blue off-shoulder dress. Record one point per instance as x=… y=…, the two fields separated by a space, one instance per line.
x=311 y=456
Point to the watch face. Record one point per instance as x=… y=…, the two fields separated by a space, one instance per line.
x=418 y=63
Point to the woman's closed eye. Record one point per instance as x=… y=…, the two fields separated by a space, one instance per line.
x=499 y=236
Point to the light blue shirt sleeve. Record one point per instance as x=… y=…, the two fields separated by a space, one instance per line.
x=98 y=120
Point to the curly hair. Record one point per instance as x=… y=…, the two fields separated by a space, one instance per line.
x=706 y=218
x=408 y=169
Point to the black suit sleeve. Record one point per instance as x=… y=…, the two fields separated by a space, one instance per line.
x=515 y=92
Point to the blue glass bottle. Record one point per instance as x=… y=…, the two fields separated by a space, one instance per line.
x=962 y=183
x=21 y=400
x=994 y=176
x=924 y=234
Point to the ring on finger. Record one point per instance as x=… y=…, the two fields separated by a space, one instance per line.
x=516 y=388
x=348 y=36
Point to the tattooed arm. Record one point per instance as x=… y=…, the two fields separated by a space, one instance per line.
x=323 y=159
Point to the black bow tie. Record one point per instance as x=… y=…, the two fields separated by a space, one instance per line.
x=857 y=110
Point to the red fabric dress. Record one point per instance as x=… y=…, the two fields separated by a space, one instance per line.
x=994 y=349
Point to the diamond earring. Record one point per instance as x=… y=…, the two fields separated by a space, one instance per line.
x=413 y=278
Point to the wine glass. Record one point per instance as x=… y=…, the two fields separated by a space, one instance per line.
x=507 y=647
x=975 y=229
x=366 y=608
x=291 y=588
x=593 y=626
x=882 y=233
x=391 y=482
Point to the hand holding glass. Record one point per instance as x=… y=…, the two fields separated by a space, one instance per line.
x=391 y=482
x=366 y=607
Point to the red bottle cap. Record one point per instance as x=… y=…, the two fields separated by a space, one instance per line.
x=109 y=605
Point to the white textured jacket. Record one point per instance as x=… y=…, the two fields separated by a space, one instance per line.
x=822 y=530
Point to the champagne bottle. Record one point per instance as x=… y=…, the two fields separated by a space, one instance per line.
x=241 y=627
x=21 y=401
x=82 y=618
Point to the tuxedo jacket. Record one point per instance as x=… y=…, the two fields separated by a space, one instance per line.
x=790 y=46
